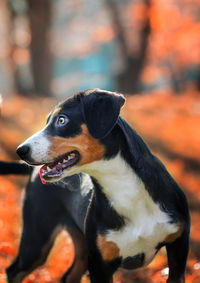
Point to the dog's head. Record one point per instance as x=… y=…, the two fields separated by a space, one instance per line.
x=73 y=133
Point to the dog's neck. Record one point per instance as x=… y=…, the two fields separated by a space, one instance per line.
x=118 y=173
x=118 y=181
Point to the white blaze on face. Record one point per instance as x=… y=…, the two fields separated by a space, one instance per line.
x=39 y=147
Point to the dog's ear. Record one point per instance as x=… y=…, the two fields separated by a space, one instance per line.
x=101 y=110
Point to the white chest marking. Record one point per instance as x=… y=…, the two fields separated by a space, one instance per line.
x=146 y=225
x=86 y=184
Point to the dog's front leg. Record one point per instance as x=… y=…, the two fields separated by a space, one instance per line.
x=32 y=253
x=177 y=253
x=99 y=271
x=80 y=264
x=37 y=237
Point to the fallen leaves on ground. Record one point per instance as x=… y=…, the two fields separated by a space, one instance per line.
x=168 y=123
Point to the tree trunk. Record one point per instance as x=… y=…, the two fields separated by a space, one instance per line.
x=134 y=62
x=40 y=18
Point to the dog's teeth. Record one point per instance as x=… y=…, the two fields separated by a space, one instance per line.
x=48 y=169
x=72 y=154
x=64 y=160
x=59 y=163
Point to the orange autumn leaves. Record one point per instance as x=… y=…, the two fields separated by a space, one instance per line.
x=168 y=123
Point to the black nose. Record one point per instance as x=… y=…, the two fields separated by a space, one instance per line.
x=23 y=151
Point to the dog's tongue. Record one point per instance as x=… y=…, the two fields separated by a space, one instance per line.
x=43 y=181
x=55 y=169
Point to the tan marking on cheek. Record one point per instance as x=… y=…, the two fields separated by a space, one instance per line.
x=89 y=148
x=172 y=237
x=108 y=249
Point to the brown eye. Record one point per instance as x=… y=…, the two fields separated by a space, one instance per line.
x=62 y=120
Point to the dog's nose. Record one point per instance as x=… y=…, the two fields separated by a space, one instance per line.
x=23 y=151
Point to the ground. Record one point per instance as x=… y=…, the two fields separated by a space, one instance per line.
x=170 y=126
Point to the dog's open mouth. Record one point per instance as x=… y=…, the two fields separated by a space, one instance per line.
x=56 y=168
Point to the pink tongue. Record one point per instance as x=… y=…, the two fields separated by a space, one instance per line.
x=43 y=181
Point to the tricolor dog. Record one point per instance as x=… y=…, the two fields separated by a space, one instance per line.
x=136 y=207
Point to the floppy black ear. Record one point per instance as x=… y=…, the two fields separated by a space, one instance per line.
x=101 y=110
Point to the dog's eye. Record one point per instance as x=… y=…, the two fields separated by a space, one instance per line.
x=62 y=120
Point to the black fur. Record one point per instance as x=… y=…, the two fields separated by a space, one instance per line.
x=100 y=112
x=159 y=183
x=47 y=208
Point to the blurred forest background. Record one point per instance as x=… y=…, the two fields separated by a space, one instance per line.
x=59 y=47
x=50 y=49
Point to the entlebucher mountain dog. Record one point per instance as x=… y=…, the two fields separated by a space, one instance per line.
x=135 y=208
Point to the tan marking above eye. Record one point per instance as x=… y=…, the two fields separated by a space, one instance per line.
x=89 y=148
x=108 y=249
x=56 y=111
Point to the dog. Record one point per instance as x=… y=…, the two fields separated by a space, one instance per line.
x=47 y=209
x=136 y=207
